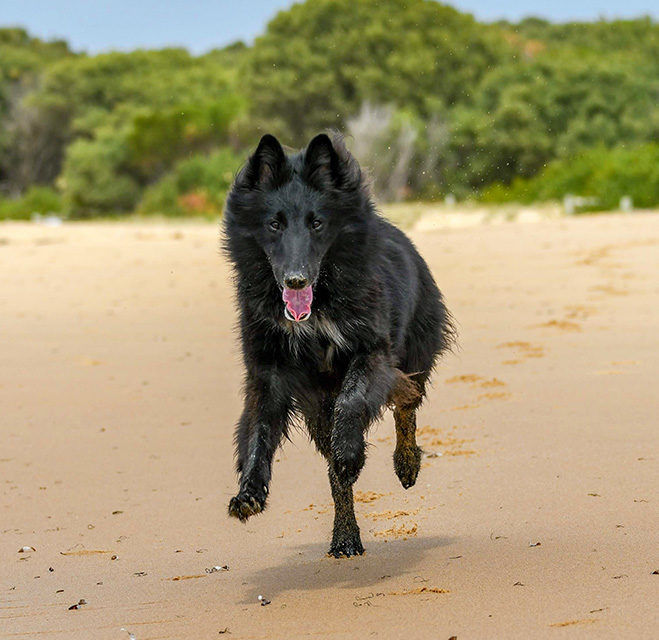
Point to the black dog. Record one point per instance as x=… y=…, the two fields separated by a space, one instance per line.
x=339 y=318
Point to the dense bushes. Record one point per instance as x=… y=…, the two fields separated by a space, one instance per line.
x=318 y=62
x=158 y=138
x=434 y=103
x=605 y=175
x=94 y=180
x=109 y=126
x=196 y=186
x=35 y=201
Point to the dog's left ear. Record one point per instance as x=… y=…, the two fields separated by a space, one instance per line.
x=328 y=164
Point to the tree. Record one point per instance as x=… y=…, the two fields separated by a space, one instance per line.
x=527 y=113
x=94 y=179
x=318 y=62
x=26 y=139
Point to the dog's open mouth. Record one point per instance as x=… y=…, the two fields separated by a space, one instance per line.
x=298 y=303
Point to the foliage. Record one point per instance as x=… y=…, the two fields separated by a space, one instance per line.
x=158 y=138
x=21 y=54
x=196 y=186
x=434 y=103
x=320 y=61
x=94 y=179
x=528 y=113
x=22 y=60
x=160 y=94
x=36 y=200
x=639 y=37
x=606 y=175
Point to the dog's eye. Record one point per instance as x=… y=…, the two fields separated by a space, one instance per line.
x=275 y=225
x=316 y=224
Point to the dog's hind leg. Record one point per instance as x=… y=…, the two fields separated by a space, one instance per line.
x=407 y=396
x=407 y=455
x=346 y=540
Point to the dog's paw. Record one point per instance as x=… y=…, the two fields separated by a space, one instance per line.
x=347 y=547
x=407 y=462
x=245 y=504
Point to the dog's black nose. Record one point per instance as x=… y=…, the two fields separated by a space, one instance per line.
x=295 y=281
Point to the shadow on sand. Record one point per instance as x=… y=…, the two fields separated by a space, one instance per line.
x=309 y=568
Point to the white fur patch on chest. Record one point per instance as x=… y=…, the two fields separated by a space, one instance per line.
x=331 y=331
x=317 y=325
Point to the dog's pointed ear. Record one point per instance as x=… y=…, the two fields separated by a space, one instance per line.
x=266 y=167
x=328 y=164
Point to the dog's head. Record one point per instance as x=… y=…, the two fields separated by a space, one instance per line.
x=293 y=208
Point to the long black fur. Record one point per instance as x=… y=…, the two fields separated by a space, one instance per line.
x=377 y=327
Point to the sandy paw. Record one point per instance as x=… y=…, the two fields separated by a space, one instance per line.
x=347 y=547
x=407 y=462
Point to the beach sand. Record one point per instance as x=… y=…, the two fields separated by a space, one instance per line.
x=534 y=516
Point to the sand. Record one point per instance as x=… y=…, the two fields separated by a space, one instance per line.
x=534 y=516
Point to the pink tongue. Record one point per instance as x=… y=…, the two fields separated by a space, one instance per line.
x=298 y=301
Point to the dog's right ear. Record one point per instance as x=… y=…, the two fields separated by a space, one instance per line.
x=266 y=167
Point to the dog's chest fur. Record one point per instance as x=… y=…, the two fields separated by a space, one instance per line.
x=318 y=337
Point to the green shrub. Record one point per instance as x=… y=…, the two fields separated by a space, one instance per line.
x=196 y=186
x=94 y=181
x=158 y=138
x=39 y=200
x=603 y=174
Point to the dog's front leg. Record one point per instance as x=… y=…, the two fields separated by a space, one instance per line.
x=259 y=433
x=363 y=394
